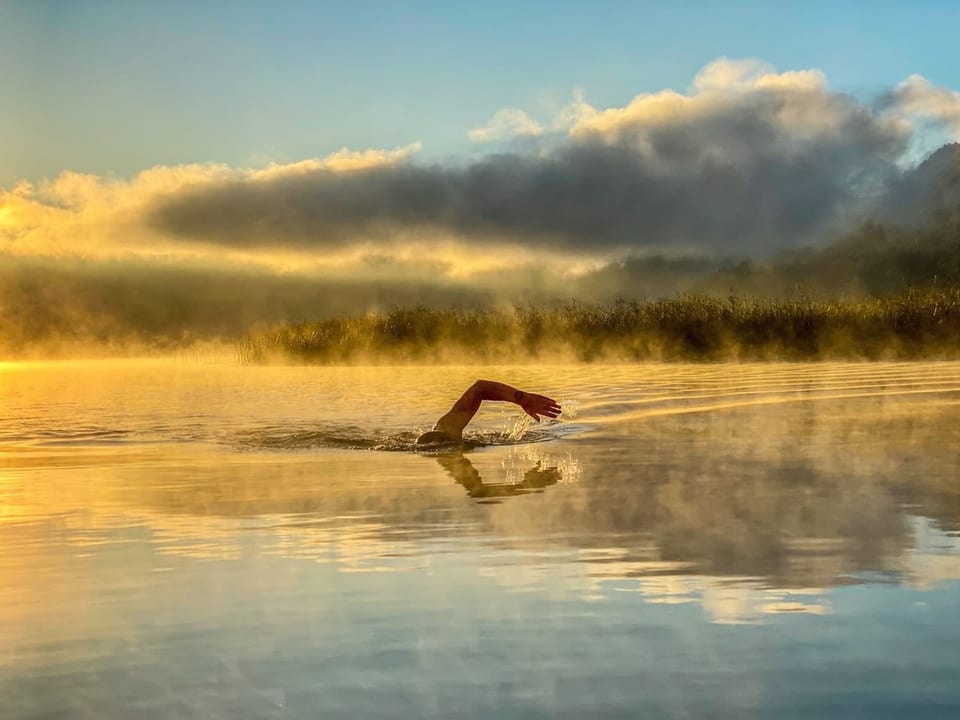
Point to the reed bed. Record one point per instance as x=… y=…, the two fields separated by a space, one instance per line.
x=912 y=324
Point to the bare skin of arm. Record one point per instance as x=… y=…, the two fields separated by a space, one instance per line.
x=452 y=424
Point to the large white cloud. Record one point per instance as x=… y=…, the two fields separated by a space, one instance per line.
x=745 y=161
x=506 y=123
x=83 y=215
x=916 y=97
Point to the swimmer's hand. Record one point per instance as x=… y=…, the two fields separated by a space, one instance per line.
x=536 y=405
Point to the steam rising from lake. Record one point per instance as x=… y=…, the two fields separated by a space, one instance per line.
x=647 y=199
x=165 y=522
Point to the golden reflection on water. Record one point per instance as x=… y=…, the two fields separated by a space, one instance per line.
x=520 y=477
x=749 y=490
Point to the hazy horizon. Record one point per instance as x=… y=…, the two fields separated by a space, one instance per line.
x=706 y=176
x=481 y=360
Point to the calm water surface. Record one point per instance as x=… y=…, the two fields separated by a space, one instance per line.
x=760 y=541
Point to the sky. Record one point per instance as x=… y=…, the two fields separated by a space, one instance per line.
x=437 y=152
x=113 y=88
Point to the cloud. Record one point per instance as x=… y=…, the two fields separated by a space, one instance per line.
x=918 y=97
x=83 y=215
x=749 y=161
x=343 y=160
x=733 y=105
x=746 y=161
x=577 y=111
x=725 y=75
x=506 y=123
x=643 y=199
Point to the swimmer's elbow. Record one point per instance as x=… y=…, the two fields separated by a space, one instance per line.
x=482 y=389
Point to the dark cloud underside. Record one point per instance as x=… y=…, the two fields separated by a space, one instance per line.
x=737 y=179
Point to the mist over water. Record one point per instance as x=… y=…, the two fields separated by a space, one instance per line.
x=116 y=299
x=189 y=540
x=742 y=283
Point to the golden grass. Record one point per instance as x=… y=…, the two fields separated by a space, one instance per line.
x=912 y=324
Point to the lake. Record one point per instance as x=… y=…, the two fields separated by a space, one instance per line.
x=184 y=539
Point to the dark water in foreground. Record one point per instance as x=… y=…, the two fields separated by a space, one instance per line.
x=760 y=541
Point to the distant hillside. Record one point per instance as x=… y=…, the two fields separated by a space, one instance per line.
x=925 y=195
x=873 y=260
x=913 y=239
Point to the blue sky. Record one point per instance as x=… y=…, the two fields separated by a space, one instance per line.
x=113 y=88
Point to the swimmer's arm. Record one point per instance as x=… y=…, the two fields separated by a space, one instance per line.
x=466 y=407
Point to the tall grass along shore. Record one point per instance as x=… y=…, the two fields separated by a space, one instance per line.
x=913 y=324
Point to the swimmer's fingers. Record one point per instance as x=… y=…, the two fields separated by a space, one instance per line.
x=548 y=406
x=536 y=405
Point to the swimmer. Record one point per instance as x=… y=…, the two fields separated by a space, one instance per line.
x=450 y=427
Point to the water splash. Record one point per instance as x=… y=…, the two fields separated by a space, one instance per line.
x=516 y=429
x=519 y=431
x=571 y=408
